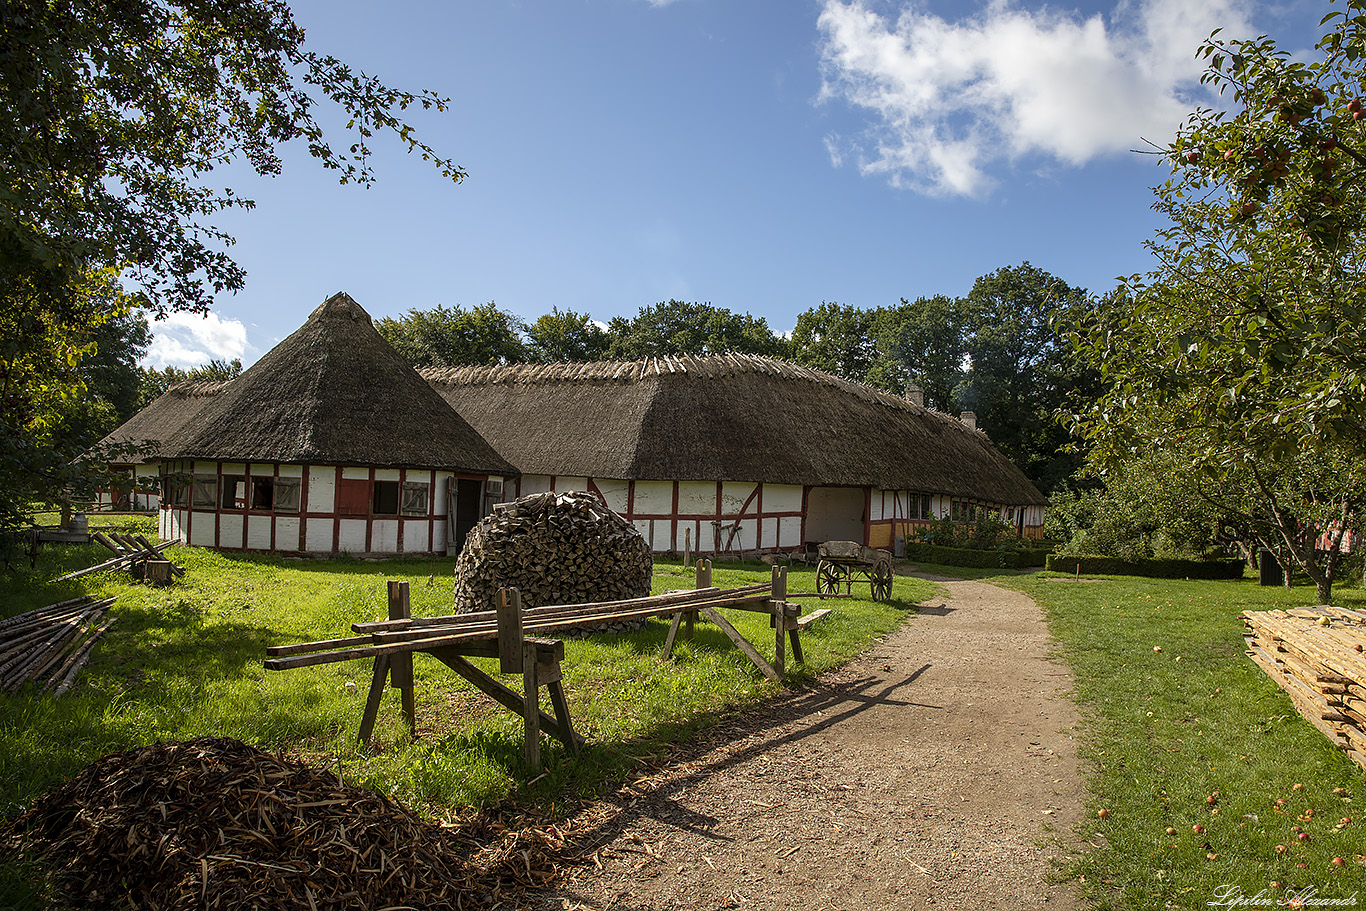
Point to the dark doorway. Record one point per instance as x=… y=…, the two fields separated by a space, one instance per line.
x=467 y=510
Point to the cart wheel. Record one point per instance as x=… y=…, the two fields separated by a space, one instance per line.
x=828 y=578
x=882 y=581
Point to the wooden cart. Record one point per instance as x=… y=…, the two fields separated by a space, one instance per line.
x=842 y=562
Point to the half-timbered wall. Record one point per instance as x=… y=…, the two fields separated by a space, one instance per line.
x=705 y=516
x=903 y=513
x=316 y=509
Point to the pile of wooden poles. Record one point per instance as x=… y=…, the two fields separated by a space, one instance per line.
x=51 y=644
x=1318 y=656
x=134 y=552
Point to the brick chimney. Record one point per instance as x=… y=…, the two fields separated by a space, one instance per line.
x=969 y=419
x=915 y=395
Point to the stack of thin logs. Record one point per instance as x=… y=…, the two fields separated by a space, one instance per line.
x=216 y=824
x=1318 y=656
x=130 y=550
x=51 y=644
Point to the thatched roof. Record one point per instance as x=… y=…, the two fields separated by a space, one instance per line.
x=335 y=392
x=142 y=438
x=732 y=417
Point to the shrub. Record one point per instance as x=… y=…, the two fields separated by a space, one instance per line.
x=1169 y=568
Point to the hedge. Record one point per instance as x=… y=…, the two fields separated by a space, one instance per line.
x=981 y=559
x=1157 y=569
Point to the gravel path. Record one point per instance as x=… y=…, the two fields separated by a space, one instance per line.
x=936 y=770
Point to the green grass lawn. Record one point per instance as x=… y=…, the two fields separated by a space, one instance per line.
x=1164 y=731
x=186 y=661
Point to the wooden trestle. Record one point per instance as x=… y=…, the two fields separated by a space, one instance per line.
x=513 y=635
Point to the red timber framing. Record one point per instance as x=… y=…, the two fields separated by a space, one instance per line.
x=777 y=525
x=187 y=518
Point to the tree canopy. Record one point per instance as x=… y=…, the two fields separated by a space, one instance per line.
x=112 y=119
x=453 y=336
x=1245 y=349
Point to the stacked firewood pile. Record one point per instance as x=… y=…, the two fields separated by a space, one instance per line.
x=51 y=644
x=1318 y=656
x=214 y=823
x=556 y=548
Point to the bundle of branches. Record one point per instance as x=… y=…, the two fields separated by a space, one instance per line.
x=213 y=823
x=51 y=644
x=1316 y=654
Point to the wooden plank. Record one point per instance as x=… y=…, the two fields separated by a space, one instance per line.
x=806 y=621
x=367 y=721
x=510 y=636
x=742 y=644
x=778 y=617
x=531 y=698
x=401 y=664
x=673 y=634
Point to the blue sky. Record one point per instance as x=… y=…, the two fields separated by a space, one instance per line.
x=762 y=155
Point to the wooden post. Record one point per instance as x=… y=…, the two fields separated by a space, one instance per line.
x=531 y=703
x=367 y=721
x=401 y=664
x=510 y=659
x=687 y=546
x=779 y=606
x=703 y=581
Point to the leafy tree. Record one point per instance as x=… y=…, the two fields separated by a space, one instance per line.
x=676 y=328
x=1246 y=346
x=1021 y=373
x=154 y=382
x=566 y=336
x=455 y=337
x=112 y=116
x=836 y=338
x=921 y=343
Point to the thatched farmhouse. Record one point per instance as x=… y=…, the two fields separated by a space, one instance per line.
x=330 y=443
x=736 y=453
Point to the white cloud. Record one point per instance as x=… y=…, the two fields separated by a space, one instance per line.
x=953 y=101
x=182 y=340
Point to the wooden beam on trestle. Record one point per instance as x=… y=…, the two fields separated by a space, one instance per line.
x=401 y=663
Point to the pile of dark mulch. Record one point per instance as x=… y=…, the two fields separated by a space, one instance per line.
x=213 y=823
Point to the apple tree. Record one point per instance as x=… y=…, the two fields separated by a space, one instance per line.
x=1244 y=350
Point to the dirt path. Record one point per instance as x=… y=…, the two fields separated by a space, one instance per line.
x=935 y=771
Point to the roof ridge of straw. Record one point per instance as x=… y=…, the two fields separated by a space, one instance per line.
x=688 y=366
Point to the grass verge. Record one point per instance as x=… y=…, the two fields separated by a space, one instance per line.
x=1196 y=735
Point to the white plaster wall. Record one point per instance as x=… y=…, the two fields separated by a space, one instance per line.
x=654 y=498
x=386 y=474
x=769 y=533
x=696 y=498
x=356 y=474
x=439 y=536
x=746 y=539
x=204 y=468
x=291 y=471
x=322 y=493
x=790 y=531
x=258 y=532
x=535 y=483
x=441 y=492
x=201 y=529
x=286 y=533
x=782 y=498
x=834 y=514
x=415 y=539
x=615 y=493
x=230 y=529
x=351 y=536
x=318 y=535
x=562 y=484
x=733 y=497
x=646 y=527
x=383 y=536
x=881 y=505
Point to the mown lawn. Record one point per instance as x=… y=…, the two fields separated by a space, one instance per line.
x=186 y=661
x=1166 y=731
